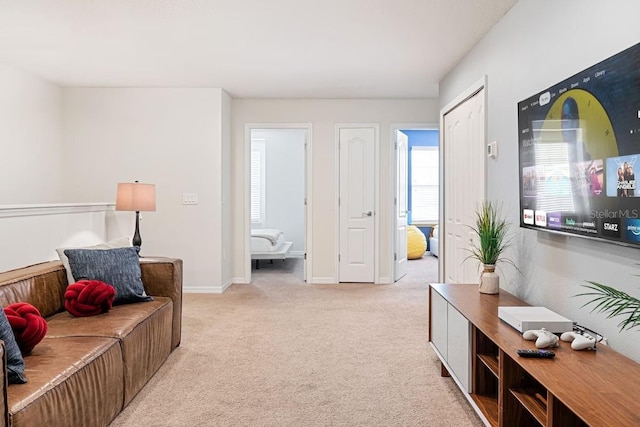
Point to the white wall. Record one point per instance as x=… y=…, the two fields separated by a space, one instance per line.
x=30 y=139
x=285 y=181
x=36 y=214
x=324 y=115
x=537 y=44
x=174 y=138
x=33 y=232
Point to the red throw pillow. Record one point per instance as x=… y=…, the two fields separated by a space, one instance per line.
x=29 y=327
x=89 y=298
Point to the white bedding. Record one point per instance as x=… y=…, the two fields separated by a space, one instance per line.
x=268 y=243
x=266 y=240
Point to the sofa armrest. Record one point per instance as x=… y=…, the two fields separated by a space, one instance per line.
x=163 y=277
x=4 y=405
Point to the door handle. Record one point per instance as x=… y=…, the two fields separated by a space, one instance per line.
x=367 y=213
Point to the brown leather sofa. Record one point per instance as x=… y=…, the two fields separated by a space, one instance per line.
x=88 y=369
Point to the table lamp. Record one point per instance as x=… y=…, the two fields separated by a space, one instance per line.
x=135 y=196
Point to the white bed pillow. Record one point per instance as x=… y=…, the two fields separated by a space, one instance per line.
x=122 y=242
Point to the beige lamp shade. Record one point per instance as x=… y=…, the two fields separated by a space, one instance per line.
x=135 y=196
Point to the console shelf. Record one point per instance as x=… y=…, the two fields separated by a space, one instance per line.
x=491 y=362
x=489 y=407
x=533 y=402
x=576 y=388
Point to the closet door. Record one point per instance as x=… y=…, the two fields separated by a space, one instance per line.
x=356 y=204
x=464 y=185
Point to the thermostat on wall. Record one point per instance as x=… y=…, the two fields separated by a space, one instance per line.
x=492 y=149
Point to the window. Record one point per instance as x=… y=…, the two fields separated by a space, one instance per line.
x=424 y=184
x=257 y=181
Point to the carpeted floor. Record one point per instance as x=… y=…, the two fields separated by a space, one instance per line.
x=280 y=352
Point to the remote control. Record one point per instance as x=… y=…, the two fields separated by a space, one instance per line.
x=545 y=354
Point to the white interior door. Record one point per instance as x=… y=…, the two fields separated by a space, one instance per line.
x=400 y=253
x=356 y=204
x=464 y=185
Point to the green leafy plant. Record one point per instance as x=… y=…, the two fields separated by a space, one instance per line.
x=492 y=232
x=614 y=303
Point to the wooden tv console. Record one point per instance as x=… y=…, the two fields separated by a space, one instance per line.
x=576 y=388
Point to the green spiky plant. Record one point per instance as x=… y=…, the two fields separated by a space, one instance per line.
x=613 y=303
x=492 y=232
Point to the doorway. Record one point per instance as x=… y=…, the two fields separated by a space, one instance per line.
x=415 y=165
x=277 y=199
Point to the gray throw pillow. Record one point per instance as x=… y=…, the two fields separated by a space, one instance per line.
x=122 y=242
x=119 y=268
x=15 y=362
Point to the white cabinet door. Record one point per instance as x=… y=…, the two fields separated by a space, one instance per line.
x=439 y=323
x=459 y=347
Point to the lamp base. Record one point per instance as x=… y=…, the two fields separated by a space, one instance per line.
x=137 y=240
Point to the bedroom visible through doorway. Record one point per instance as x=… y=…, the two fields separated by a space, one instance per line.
x=277 y=201
x=417 y=193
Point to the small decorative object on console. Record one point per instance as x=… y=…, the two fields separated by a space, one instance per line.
x=543 y=338
x=579 y=341
x=542 y=354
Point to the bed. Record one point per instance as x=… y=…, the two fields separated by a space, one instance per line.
x=268 y=243
x=433 y=242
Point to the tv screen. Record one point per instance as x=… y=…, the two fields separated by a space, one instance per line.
x=579 y=142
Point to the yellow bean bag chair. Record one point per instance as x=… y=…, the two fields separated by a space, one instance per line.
x=416 y=242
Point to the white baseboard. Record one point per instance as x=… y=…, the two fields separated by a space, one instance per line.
x=385 y=281
x=207 y=289
x=239 y=280
x=323 y=281
x=201 y=290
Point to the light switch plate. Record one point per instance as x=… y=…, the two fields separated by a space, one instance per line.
x=189 y=198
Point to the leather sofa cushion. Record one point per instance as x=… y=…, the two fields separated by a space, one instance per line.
x=73 y=381
x=116 y=323
x=163 y=276
x=144 y=330
x=41 y=285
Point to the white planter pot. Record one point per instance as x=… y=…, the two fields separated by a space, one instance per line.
x=489 y=280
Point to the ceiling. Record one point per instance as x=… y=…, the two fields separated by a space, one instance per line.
x=250 y=48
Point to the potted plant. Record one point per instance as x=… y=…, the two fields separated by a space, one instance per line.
x=614 y=303
x=492 y=240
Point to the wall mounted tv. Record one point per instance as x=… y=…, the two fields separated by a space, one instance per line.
x=579 y=148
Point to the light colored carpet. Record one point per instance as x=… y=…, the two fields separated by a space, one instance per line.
x=280 y=352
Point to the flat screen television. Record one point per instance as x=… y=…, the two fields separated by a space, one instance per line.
x=579 y=142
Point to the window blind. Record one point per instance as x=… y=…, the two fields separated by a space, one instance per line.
x=425 y=184
x=257 y=181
